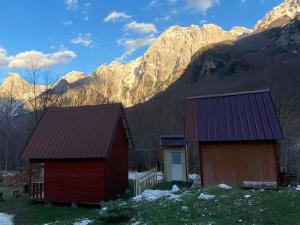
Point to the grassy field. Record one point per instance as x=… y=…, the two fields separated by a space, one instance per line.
x=229 y=207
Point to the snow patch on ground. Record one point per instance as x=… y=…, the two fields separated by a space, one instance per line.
x=175 y=188
x=6 y=219
x=56 y=222
x=84 y=221
x=194 y=176
x=153 y=195
x=137 y=222
x=224 y=186
x=247 y=196
x=298 y=188
x=206 y=196
x=184 y=208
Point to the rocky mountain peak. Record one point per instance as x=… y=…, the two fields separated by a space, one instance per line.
x=12 y=78
x=20 y=88
x=240 y=31
x=288 y=9
x=73 y=76
x=162 y=64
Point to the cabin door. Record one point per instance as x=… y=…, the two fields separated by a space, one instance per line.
x=177 y=166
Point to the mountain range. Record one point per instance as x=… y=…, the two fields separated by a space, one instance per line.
x=161 y=65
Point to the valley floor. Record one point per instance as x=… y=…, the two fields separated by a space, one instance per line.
x=183 y=206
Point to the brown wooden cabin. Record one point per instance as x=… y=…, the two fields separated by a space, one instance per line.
x=84 y=151
x=237 y=135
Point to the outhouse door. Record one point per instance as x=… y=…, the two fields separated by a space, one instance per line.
x=177 y=166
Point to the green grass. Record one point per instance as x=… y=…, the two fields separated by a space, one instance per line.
x=36 y=214
x=229 y=207
x=169 y=185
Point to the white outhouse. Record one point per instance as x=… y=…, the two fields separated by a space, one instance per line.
x=175 y=160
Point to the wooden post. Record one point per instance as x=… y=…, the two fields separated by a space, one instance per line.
x=201 y=164
x=163 y=163
x=186 y=163
x=278 y=175
x=29 y=184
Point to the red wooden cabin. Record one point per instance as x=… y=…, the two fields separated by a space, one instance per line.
x=84 y=151
x=237 y=135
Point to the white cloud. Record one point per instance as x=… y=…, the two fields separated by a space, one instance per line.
x=83 y=39
x=71 y=4
x=141 y=27
x=67 y=23
x=201 y=5
x=85 y=11
x=4 y=58
x=153 y=3
x=114 y=16
x=165 y=18
x=35 y=59
x=132 y=45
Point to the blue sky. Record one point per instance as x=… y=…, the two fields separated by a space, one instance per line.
x=83 y=34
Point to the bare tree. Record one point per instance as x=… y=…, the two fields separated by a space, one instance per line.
x=39 y=79
x=8 y=105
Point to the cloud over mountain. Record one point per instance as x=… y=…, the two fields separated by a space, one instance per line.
x=35 y=59
x=201 y=5
x=71 y=4
x=115 y=16
x=132 y=45
x=141 y=27
x=4 y=58
x=83 y=40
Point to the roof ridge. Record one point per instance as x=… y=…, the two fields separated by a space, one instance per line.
x=228 y=94
x=172 y=136
x=58 y=109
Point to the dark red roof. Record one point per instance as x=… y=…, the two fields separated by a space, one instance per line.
x=243 y=116
x=74 y=132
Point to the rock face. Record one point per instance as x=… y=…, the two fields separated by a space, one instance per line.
x=73 y=76
x=18 y=88
x=289 y=37
x=162 y=64
x=288 y=9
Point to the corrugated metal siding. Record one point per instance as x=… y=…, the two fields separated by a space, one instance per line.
x=233 y=117
x=233 y=163
x=191 y=131
x=74 y=132
x=172 y=141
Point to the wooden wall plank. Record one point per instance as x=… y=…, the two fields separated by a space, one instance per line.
x=81 y=181
x=233 y=163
